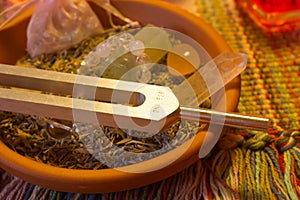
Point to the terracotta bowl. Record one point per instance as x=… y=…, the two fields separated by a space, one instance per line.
x=12 y=47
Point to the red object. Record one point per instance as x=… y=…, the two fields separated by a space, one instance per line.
x=273 y=15
x=15 y=1
x=277 y=5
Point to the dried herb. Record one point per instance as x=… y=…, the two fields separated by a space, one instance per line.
x=32 y=136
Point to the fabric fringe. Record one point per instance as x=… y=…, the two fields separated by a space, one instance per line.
x=244 y=173
x=227 y=174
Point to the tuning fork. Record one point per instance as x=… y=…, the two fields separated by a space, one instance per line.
x=116 y=103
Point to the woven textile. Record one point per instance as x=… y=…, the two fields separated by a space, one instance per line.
x=244 y=164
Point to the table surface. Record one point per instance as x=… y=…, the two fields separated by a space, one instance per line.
x=244 y=164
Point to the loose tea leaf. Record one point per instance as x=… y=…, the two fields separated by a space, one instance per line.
x=33 y=136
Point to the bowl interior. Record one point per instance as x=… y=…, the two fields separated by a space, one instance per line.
x=159 y=13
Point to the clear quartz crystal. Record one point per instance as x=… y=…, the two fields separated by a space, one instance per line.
x=125 y=38
x=113 y=53
x=103 y=49
x=143 y=63
x=93 y=59
x=143 y=75
x=114 y=43
x=143 y=59
x=136 y=47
